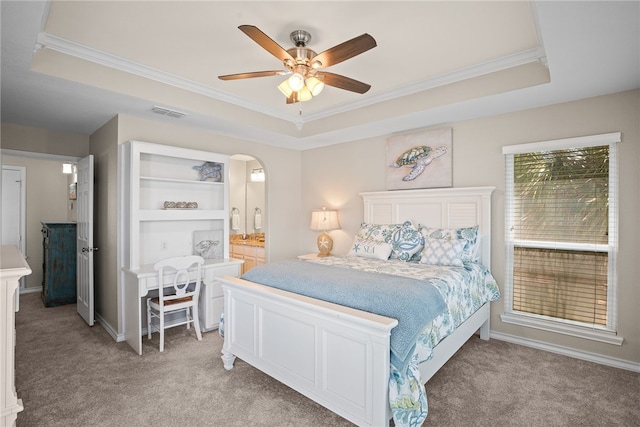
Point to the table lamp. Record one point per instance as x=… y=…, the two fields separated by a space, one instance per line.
x=324 y=221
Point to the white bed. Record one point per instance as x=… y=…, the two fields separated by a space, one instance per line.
x=335 y=355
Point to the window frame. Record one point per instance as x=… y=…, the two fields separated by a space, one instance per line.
x=608 y=333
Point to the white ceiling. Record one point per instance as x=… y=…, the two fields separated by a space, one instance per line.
x=72 y=66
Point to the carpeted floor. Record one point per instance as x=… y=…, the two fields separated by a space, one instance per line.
x=69 y=374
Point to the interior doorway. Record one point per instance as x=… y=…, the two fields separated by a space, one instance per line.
x=247 y=199
x=14 y=209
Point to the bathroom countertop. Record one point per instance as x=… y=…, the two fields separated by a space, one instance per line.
x=247 y=242
x=250 y=240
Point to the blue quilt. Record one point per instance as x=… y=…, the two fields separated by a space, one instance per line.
x=414 y=303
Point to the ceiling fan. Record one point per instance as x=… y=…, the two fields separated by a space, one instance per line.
x=304 y=65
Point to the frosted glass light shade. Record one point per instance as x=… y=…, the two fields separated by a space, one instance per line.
x=304 y=94
x=296 y=82
x=285 y=88
x=314 y=85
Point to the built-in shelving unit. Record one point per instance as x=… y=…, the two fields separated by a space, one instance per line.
x=161 y=173
x=166 y=199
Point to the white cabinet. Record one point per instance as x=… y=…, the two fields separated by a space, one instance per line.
x=211 y=296
x=12 y=267
x=251 y=255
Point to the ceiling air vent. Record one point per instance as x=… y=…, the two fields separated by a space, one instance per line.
x=167 y=112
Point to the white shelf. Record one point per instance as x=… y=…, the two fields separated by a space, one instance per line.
x=180 y=181
x=181 y=214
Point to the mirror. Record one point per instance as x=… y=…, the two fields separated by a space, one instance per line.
x=246 y=198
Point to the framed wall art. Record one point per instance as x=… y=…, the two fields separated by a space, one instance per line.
x=421 y=159
x=208 y=243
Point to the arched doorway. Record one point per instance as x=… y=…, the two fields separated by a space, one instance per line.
x=249 y=217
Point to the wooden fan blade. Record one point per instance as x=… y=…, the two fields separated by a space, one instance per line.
x=342 y=82
x=345 y=50
x=252 y=75
x=266 y=42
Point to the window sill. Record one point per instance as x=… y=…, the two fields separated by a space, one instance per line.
x=574 y=331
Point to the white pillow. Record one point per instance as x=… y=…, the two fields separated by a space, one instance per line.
x=370 y=248
x=467 y=234
x=442 y=252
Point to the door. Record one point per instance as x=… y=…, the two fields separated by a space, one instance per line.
x=85 y=248
x=13 y=208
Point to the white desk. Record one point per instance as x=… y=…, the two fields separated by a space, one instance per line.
x=12 y=267
x=138 y=282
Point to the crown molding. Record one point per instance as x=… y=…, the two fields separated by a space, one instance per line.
x=49 y=41
x=67 y=47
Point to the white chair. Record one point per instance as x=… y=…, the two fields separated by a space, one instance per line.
x=178 y=292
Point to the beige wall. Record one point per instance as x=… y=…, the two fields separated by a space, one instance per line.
x=103 y=147
x=47 y=195
x=477 y=160
x=283 y=190
x=47 y=187
x=23 y=138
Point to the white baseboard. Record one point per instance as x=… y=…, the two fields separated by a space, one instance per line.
x=566 y=351
x=107 y=327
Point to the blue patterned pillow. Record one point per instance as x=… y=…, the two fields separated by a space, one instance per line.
x=406 y=241
x=467 y=234
x=369 y=248
x=442 y=252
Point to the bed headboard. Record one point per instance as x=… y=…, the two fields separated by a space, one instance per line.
x=438 y=207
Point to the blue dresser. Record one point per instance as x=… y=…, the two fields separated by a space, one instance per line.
x=58 y=263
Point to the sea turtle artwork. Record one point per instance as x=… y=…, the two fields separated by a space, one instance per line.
x=418 y=158
x=211 y=171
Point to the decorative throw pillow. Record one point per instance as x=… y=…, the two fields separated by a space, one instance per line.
x=442 y=252
x=369 y=248
x=467 y=234
x=406 y=241
x=380 y=232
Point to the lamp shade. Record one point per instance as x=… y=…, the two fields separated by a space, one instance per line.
x=324 y=220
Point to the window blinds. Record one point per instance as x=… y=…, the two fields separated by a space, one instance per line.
x=562 y=224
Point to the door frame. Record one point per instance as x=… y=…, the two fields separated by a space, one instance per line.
x=22 y=247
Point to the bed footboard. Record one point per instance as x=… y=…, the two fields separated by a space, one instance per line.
x=334 y=355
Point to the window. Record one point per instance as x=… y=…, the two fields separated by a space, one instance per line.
x=561 y=236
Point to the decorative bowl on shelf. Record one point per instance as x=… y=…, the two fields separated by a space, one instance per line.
x=179 y=205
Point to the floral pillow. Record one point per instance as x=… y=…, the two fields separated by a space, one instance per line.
x=380 y=232
x=442 y=252
x=370 y=248
x=406 y=241
x=467 y=234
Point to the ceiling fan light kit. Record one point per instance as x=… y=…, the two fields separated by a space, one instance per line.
x=306 y=81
